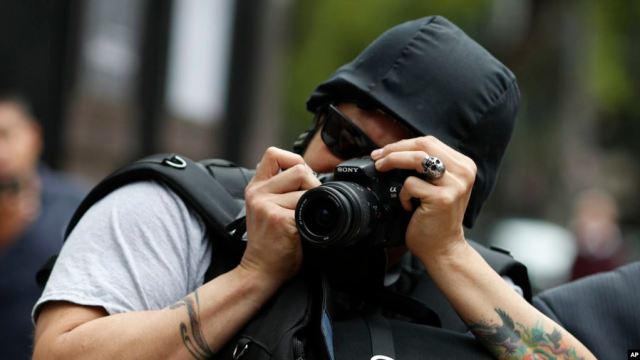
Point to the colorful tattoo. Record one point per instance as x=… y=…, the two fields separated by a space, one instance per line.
x=192 y=336
x=511 y=340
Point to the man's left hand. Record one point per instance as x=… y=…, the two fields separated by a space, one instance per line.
x=435 y=228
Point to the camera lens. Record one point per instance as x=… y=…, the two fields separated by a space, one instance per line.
x=323 y=214
x=336 y=214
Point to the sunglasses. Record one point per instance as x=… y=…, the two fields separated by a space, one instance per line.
x=342 y=137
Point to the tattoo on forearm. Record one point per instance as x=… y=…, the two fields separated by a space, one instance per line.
x=511 y=340
x=191 y=334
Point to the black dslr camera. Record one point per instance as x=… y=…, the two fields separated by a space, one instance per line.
x=355 y=207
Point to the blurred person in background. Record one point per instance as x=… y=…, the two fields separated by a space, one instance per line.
x=35 y=205
x=597 y=234
x=600 y=307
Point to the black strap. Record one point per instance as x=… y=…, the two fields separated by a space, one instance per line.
x=232 y=177
x=218 y=266
x=504 y=264
x=186 y=178
x=381 y=337
x=272 y=332
x=416 y=283
x=195 y=185
x=408 y=307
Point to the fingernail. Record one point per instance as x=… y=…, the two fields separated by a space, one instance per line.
x=376 y=153
x=378 y=164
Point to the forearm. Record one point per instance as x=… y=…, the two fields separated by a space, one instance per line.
x=506 y=324
x=194 y=327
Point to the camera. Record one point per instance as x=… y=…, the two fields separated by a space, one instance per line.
x=356 y=206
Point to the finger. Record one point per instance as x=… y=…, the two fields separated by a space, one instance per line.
x=412 y=160
x=414 y=188
x=298 y=177
x=291 y=215
x=425 y=143
x=274 y=160
x=453 y=160
x=288 y=200
x=286 y=217
x=432 y=195
x=409 y=160
x=429 y=144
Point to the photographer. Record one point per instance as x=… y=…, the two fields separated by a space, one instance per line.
x=423 y=97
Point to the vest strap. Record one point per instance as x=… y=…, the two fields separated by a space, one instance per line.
x=382 y=347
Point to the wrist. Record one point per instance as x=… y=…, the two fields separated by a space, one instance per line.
x=257 y=279
x=446 y=257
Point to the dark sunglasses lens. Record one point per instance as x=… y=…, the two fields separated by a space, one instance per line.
x=342 y=138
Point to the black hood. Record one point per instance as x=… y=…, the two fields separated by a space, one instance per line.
x=438 y=81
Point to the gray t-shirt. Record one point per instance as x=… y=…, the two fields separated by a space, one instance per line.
x=134 y=239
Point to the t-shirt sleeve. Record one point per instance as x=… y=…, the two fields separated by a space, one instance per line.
x=139 y=248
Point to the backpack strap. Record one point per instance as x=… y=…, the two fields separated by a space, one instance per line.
x=420 y=286
x=195 y=184
x=382 y=344
x=234 y=179
x=284 y=328
x=504 y=264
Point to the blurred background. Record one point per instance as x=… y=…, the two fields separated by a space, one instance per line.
x=113 y=80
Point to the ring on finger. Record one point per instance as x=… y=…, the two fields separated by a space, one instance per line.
x=432 y=167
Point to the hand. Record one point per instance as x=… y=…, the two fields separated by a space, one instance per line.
x=273 y=249
x=435 y=228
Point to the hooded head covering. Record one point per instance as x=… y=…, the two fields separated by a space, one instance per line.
x=430 y=75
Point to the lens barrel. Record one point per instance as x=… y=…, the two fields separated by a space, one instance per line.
x=336 y=214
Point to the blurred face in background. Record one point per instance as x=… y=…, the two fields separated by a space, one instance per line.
x=20 y=146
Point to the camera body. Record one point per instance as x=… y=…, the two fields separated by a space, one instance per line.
x=355 y=207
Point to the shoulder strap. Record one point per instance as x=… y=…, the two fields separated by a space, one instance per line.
x=189 y=180
x=197 y=186
x=423 y=288
x=232 y=177
x=235 y=180
x=504 y=264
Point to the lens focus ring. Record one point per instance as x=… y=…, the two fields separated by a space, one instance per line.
x=335 y=214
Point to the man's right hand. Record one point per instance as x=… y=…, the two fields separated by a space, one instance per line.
x=274 y=251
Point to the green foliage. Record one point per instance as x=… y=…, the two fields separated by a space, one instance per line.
x=610 y=83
